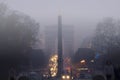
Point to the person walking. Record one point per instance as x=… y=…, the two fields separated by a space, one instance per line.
x=117 y=73
x=109 y=70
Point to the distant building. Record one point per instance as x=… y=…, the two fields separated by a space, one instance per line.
x=68 y=40
x=83 y=61
x=51 y=39
x=87 y=42
x=84 y=54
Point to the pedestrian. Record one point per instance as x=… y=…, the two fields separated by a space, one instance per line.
x=109 y=70
x=12 y=78
x=117 y=72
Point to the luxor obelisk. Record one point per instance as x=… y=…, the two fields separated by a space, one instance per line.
x=60 y=48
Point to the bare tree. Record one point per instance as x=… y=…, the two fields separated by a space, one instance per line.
x=17 y=34
x=105 y=36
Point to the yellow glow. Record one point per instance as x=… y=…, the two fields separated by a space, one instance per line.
x=51 y=69
x=52 y=59
x=82 y=61
x=53 y=65
x=68 y=77
x=63 y=77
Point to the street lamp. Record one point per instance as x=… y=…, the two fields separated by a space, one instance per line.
x=82 y=61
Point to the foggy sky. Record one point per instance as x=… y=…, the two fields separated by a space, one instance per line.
x=83 y=14
x=71 y=10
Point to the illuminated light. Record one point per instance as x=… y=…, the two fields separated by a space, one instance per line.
x=52 y=59
x=63 y=77
x=72 y=78
x=82 y=61
x=83 y=69
x=92 y=60
x=86 y=68
x=68 y=77
x=56 y=56
x=54 y=73
x=44 y=75
x=51 y=69
x=53 y=65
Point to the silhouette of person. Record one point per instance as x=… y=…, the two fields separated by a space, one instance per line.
x=109 y=70
x=117 y=73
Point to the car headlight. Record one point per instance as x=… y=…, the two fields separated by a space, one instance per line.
x=63 y=77
x=68 y=77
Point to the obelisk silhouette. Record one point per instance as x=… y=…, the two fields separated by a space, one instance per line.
x=60 y=48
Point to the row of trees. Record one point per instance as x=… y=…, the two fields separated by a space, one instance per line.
x=17 y=30
x=17 y=35
x=107 y=35
x=106 y=40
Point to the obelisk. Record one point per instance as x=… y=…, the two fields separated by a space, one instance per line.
x=60 y=48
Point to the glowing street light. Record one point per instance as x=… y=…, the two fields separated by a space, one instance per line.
x=68 y=77
x=63 y=77
x=53 y=65
x=82 y=61
x=92 y=61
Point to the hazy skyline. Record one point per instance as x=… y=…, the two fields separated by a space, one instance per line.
x=82 y=14
x=71 y=10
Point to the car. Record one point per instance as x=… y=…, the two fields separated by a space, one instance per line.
x=85 y=76
x=66 y=77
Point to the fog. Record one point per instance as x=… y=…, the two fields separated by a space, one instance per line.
x=59 y=39
x=83 y=14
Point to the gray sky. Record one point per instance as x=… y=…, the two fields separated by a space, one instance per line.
x=83 y=14
x=71 y=10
